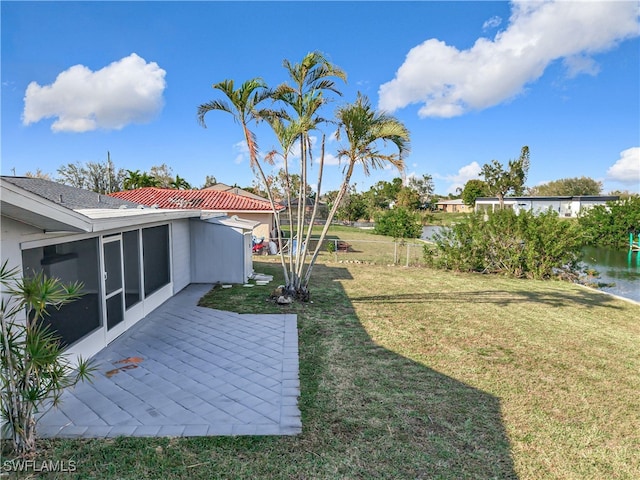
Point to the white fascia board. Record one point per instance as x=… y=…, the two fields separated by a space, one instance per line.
x=110 y=219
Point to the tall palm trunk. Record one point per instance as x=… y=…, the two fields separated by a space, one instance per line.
x=327 y=225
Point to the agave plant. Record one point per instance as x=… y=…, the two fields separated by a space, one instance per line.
x=34 y=370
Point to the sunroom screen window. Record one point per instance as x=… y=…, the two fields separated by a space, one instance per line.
x=155 y=251
x=131 y=249
x=70 y=262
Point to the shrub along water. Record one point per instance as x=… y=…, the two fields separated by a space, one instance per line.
x=520 y=245
x=609 y=225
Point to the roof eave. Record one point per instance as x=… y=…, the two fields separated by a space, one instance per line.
x=31 y=209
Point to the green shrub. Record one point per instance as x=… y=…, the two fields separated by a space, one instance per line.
x=609 y=225
x=331 y=246
x=398 y=223
x=520 y=245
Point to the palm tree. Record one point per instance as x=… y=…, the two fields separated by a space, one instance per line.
x=147 y=180
x=363 y=129
x=242 y=103
x=131 y=180
x=180 y=184
x=286 y=134
x=304 y=97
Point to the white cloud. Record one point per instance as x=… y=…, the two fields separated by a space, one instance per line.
x=627 y=168
x=578 y=64
x=466 y=173
x=449 y=82
x=126 y=91
x=493 y=22
x=242 y=152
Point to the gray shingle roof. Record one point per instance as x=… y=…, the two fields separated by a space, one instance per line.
x=65 y=196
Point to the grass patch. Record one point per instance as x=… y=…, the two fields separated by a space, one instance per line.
x=416 y=373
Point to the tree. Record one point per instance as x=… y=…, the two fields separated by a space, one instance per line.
x=242 y=104
x=424 y=186
x=473 y=189
x=163 y=175
x=38 y=174
x=95 y=176
x=180 y=183
x=352 y=208
x=73 y=174
x=34 y=371
x=297 y=113
x=398 y=223
x=500 y=182
x=568 y=187
x=134 y=179
x=302 y=100
x=364 y=129
x=209 y=181
x=385 y=193
x=408 y=198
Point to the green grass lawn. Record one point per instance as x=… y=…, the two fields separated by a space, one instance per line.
x=413 y=373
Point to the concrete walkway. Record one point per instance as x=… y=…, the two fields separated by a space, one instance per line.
x=187 y=371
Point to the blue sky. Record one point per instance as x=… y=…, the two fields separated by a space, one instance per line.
x=472 y=81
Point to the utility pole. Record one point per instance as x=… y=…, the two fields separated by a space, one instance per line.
x=108 y=172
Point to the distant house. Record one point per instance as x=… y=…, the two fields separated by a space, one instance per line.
x=321 y=214
x=223 y=187
x=129 y=259
x=453 y=206
x=564 y=206
x=209 y=201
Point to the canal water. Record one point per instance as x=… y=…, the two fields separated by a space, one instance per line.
x=619 y=270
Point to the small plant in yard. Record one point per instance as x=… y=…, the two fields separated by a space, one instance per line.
x=34 y=370
x=331 y=247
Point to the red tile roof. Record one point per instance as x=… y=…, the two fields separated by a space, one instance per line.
x=196 y=199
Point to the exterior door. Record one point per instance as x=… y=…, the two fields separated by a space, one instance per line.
x=113 y=283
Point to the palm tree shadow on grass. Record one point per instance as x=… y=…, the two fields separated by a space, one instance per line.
x=500 y=297
x=404 y=419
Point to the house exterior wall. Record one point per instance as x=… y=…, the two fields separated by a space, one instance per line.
x=266 y=222
x=218 y=253
x=181 y=253
x=248 y=256
x=454 y=208
x=13 y=233
x=583 y=205
x=18 y=237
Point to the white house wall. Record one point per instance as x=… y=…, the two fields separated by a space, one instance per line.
x=14 y=233
x=216 y=253
x=181 y=253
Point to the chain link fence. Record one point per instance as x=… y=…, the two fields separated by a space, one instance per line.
x=378 y=252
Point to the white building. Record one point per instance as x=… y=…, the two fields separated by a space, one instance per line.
x=564 y=206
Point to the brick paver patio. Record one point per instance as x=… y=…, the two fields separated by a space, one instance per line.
x=185 y=371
